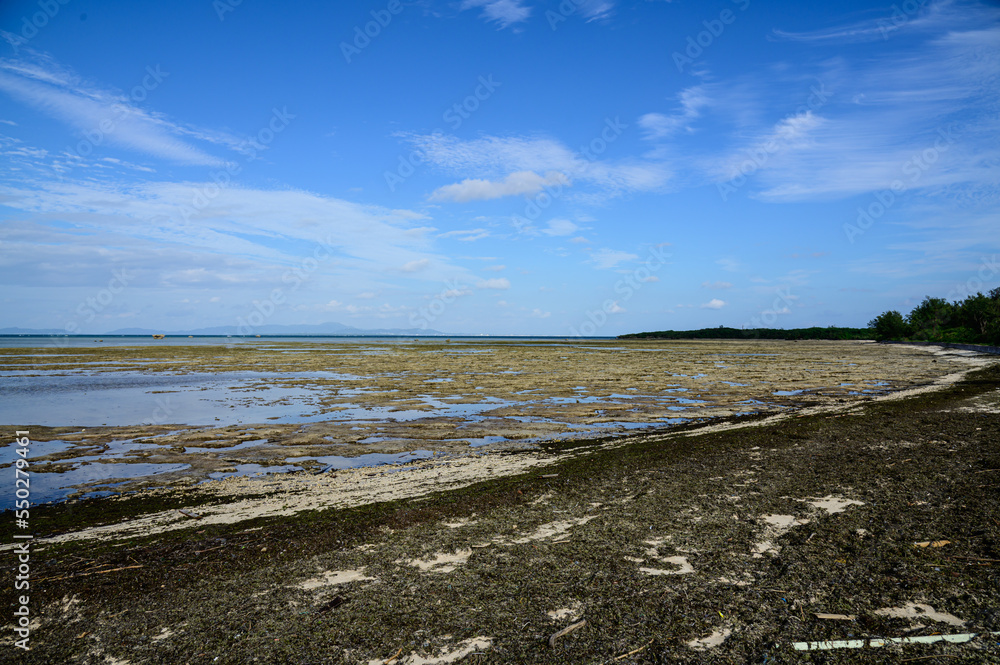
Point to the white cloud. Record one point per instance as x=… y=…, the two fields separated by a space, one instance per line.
x=414 y=266
x=539 y=314
x=499 y=283
x=650 y=279
x=560 y=227
x=495 y=158
x=714 y=303
x=659 y=126
x=515 y=184
x=502 y=12
x=466 y=235
x=609 y=258
x=242 y=240
x=716 y=285
x=615 y=308
x=496 y=268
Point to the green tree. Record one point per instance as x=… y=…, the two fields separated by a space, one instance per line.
x=930 y=318
x=889 y=325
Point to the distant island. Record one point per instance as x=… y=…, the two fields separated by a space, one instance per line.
x=722 y=332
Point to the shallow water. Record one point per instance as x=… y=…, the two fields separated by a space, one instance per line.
x=390 y=401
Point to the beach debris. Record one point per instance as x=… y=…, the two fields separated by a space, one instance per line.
x=932 y=543
x=335 y=578
x=566 y=631
x=565 y=613
x=188 y=513
x=465 y=648
x=632 y=652
x=441 y=562
x=554 y=529
x=918 y=611
x=684 y=567
x=832 y=504
x=549 y=475
x=835 y=617
x=717 y=637
x=882 y=641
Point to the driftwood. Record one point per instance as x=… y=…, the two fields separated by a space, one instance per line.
x=566 y=631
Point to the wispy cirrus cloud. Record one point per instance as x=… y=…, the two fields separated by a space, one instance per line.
x=658 y=126
x=242 y=238
x=920 y=122
x=502 y=12
x=98 y=114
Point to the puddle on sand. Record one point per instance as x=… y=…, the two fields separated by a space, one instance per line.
x=252 y=470
x=47 y=487
x=337 y=462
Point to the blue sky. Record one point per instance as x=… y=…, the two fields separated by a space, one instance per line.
x=494 y=166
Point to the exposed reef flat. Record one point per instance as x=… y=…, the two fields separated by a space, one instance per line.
x=117 y=419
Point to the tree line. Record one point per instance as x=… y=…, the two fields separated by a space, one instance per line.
x=722 y=332
x=975 y=320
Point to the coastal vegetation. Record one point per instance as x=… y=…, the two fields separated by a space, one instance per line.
x=975 y=320
x=722 y=332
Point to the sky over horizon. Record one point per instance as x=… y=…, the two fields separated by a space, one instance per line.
x=505 y=167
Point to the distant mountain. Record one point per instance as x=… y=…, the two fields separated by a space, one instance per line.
x=31 y=331
x=330 y=328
